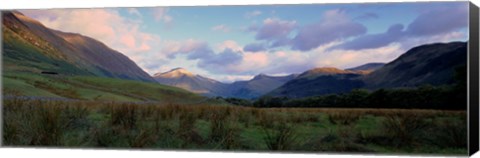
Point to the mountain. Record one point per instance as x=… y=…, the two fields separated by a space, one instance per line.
x=432 y=64
x=259 y=85
x=180 y=77
x=319 y=81
x=367 y=68
x=30 y=46
x=324 y=71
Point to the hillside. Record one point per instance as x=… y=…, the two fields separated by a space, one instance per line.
x=249 y=89
x=258 y=86
x=93 y=88
x=319 y=81
x=184 y=79
x=30 y=46
x=432 y=64
x=367 y=68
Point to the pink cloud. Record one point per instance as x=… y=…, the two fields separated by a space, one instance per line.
x=128 y=40
x=229 y=44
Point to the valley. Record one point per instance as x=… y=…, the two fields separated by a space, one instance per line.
x=64 y=89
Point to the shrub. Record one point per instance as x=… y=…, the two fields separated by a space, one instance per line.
x=404 y=128
x=343 y=117
x=223 y=130
x=186 y=129
x=142 y=139
x=282 y=137
x=76 y=116
x=123 y=115
x=450 y=134
x=48 y=125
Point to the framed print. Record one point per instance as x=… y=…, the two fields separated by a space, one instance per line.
x=374 y=78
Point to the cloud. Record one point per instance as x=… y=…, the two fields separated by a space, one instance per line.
x=201 y=52
x=253 y=14
x=439 y=21
x=367 y=16
x=279 y=47
x=171 y=49
x=219 y=63
x=254 y=47
x=230 y=44
x=393 y=34
x=351 y=58
x=432 y=25
x=273 y=29
x=214 y=62
x=160 y=14
x=335 y=25
x=239 y=62
x=256 y=59
x=289 y=61
x=221 y=28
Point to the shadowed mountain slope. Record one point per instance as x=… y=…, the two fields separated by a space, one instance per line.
x=30 y=46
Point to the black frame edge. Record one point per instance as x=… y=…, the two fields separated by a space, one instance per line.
x=473 y=66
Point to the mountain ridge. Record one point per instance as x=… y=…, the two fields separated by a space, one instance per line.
x=31 y=46
x=247 y=89
x=433 y=64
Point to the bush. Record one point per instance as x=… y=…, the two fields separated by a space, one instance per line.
x=123 y=115
x=282 y=137
x=404 y=128
x=343 y=118
x=223 y=130
x=450 y=134
x=186 y=129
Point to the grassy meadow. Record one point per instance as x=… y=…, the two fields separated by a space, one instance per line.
x=158 y=126
x=92 y=88
x=78 y=111
x=66 y=90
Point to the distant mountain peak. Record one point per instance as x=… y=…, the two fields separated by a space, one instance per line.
x=175 y=73
x=259 y=76
x=179 y=69
x=326 y=70
x=323 y=71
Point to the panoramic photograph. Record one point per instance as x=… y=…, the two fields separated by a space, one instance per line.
x=381 y=78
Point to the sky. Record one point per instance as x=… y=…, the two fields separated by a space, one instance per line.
x=230 y=43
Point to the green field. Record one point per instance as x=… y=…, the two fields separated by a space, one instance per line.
x=162 y=126
x=93 y=88
x=68 y=90
x=86 y=111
